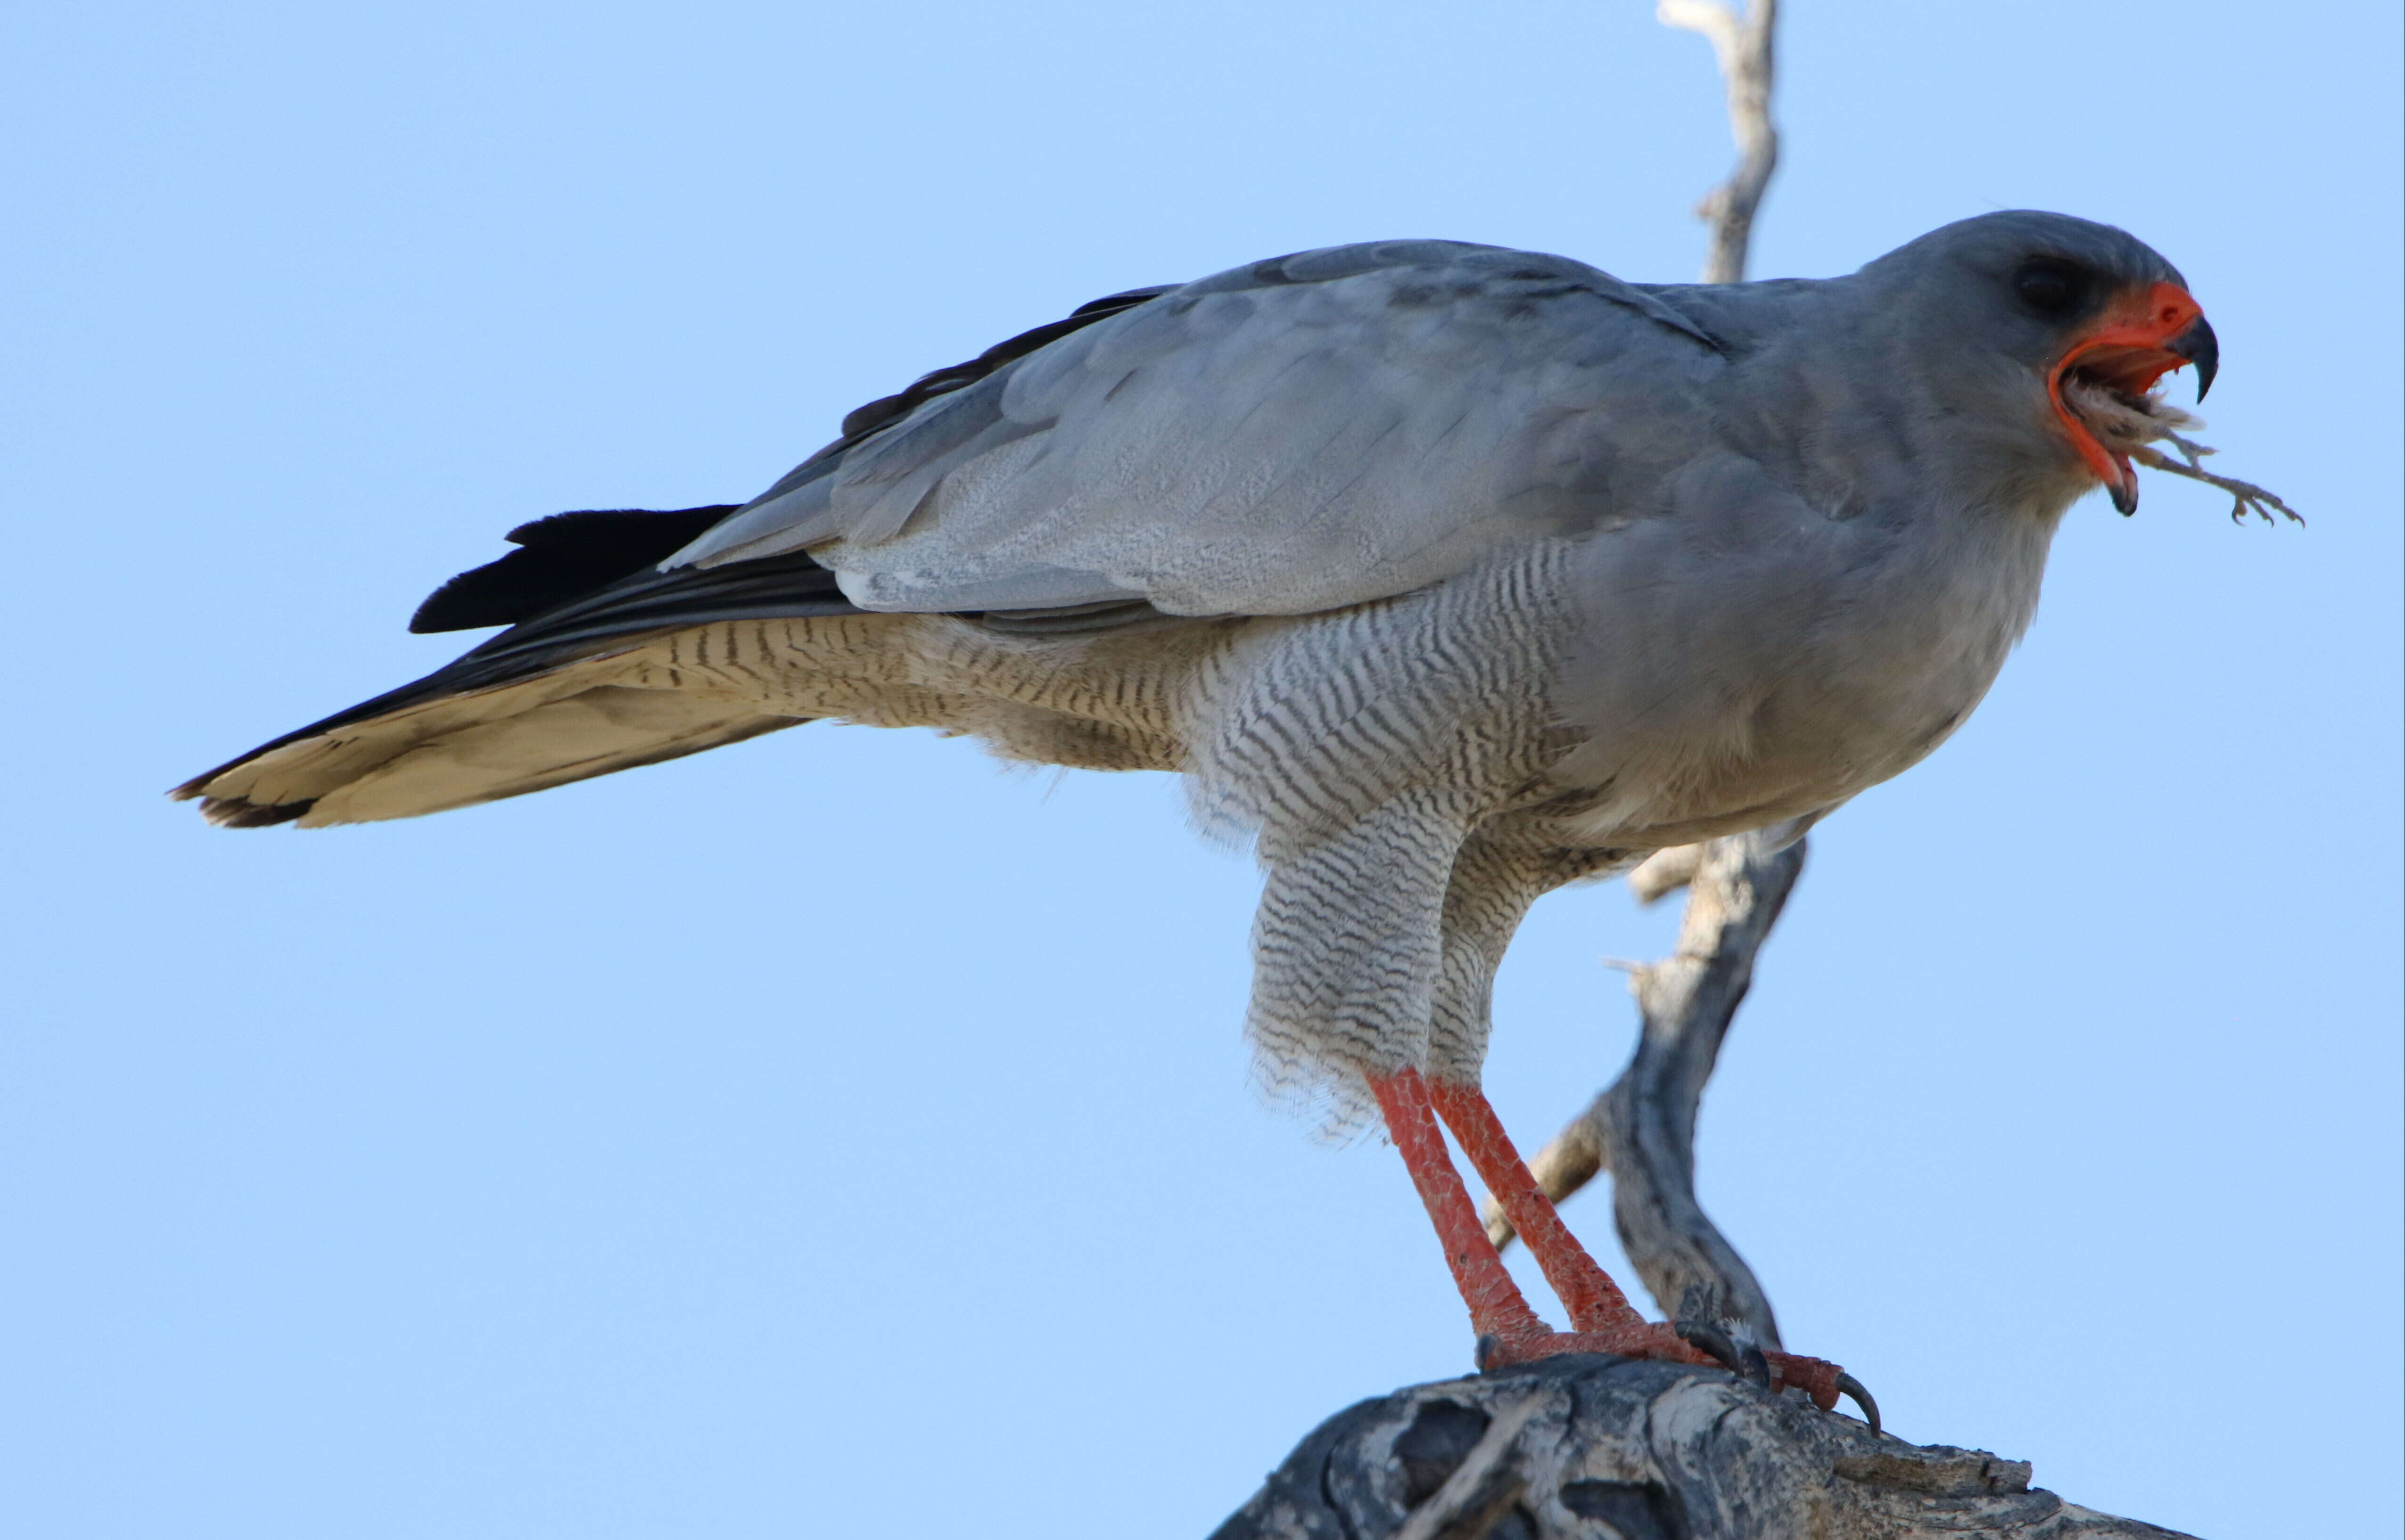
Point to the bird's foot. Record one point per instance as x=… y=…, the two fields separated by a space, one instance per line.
x=1775 y=1371
x=1689 y=1342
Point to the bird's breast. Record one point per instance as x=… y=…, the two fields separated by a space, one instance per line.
x=1723 y=685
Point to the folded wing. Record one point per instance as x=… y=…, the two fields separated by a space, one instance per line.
x=1298 y=435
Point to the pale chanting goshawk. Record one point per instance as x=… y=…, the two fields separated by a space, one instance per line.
x=1446 y=574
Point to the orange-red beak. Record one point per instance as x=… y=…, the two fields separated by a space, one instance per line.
x=2141 y=339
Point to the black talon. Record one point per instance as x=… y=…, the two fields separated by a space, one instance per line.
x=1753 y=1368
x=1711 y=1339
x=1484 y=1354
x=1849 y=1386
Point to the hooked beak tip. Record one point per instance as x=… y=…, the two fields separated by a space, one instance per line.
x=2199 y=346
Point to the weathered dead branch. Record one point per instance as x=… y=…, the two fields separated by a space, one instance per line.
x=1587 y=1446
x=1643 y=1129
x=1744 y=50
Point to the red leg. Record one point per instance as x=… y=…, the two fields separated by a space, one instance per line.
x=1599 y=1312
x=1587 y=1292
x=1497 y=1310
x=1509 y=1331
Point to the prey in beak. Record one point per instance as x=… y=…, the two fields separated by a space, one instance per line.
x=2102 y=385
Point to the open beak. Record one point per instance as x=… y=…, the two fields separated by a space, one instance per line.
x=2138 y=340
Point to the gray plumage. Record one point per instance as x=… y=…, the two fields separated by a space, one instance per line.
x=1446 y=574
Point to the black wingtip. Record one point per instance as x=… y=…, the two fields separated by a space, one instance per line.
x=565 y=558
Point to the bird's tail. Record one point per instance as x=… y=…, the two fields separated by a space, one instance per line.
x=564 y=724
x=571 y=691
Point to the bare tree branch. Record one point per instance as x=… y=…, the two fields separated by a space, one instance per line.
x=1665 y=871
x=1643 y=1128
x=1586 y=1446
x=1744 y=48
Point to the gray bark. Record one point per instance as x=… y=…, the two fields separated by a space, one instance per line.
x=1596 y=1448
x=1643 y=1129
x=1743 y=48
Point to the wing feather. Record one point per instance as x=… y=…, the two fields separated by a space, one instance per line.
x=1297 y=435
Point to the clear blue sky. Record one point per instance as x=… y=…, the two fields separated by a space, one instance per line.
x=837 y=1134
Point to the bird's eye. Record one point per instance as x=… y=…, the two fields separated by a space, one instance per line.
x=2051 y=286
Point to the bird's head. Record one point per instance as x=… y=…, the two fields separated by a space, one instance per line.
x=2051 y=329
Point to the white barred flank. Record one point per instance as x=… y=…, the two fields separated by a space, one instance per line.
x=1357 y=751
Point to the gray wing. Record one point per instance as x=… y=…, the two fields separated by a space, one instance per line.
x=1298 y=435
